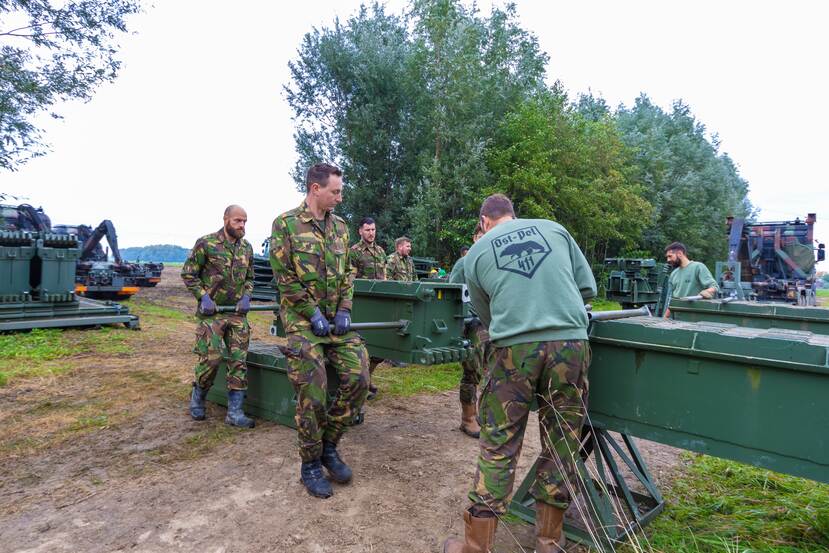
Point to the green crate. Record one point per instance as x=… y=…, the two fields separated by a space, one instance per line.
x=270 y=395
x=15 y=269
x=434 y=312
x=54 y=272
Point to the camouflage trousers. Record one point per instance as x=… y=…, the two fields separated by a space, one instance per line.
x=307 y=358
x=554 y=374
x=473 y=367
x=222 y=340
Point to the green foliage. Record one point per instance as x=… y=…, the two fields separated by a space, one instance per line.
x=406 y=106
x=717 y=505
x=691 y=185
x=555 y=163
x=51 y=52
x=429 y=111
x=155 y=252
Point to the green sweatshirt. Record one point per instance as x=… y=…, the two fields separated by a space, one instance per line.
x=691 y=280
x=527 y=281
x=457 y=276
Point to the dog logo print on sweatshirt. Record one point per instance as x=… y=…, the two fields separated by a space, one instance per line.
x=521 y=251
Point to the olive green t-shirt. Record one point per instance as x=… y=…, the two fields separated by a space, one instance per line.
x=691 y=280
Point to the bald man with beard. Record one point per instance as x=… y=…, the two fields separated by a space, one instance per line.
x=219 y=271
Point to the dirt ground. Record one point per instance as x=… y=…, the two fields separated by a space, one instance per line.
x=152 y=480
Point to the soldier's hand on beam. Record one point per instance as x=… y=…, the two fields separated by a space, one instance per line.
x=319 y=324
x=243 y=305
x=707 y=294
x=206 y=305
x=342 y=322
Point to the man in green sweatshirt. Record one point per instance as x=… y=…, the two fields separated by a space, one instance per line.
x=528 y=282
x=689 y=278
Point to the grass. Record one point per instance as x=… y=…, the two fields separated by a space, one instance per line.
x=31 y=354
x=416 y=379
x=823 y=292
x=143 y=308
x=601 y=304
x=719 y=505
x=46 y=352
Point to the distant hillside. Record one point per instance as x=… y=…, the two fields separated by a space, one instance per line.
x=157 y=252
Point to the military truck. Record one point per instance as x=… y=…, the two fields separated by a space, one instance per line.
x=771 y=261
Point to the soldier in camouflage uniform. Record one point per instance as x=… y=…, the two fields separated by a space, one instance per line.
x=400 y=264
x=541 y=353
x=478 y=337
x=368 y=261
x=309 y=256
x=367 y=258
x=219 y=271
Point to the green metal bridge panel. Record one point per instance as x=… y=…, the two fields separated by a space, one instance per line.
x=753 y=314
x=82 y=312
x=435 y=311
x=752 y=395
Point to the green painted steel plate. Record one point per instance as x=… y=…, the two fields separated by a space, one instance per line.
x=753 y=314
x=753 y=395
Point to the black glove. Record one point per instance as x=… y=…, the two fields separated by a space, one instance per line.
x=342 y=322
x=206 y=305
x=319 y=324
x=243 y=305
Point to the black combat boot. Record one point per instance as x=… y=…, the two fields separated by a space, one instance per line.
x=235 y=415
x=315 y=483
x=339 y=471
x=197 y=402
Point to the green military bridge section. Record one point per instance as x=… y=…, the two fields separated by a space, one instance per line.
x=736 y=380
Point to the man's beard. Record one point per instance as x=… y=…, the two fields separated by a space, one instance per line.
x=675 y=263
x=237 y=234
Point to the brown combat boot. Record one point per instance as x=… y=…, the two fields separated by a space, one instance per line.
x=469 y=420
x=549 y=529
x=479 y=533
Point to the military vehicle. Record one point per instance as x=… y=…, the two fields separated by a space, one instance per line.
x=771 y=261
x=97 y=277
x=634 y=282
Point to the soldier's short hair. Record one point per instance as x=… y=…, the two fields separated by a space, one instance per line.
x=320 y=173
x=365 y=221
x=497 y=206
x=676 y=247
x=401 y=240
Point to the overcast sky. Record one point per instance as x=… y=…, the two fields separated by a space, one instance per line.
x=197 y=118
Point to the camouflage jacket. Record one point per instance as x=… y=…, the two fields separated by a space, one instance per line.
x=400 y=268
x=311 y=266
x=218 y=267
x=368 y=260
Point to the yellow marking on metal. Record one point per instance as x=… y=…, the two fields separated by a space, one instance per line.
x=754 y=378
